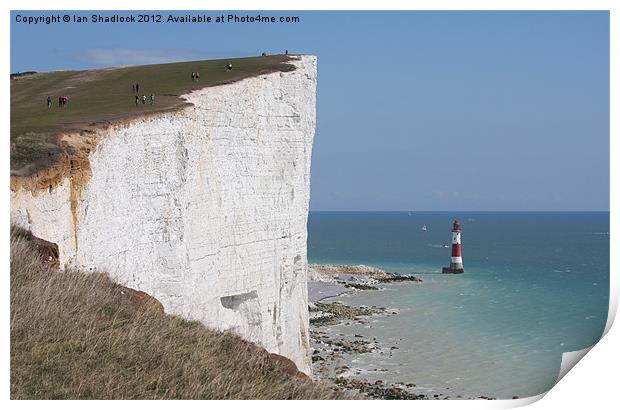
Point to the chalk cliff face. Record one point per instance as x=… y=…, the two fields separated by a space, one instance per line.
x=203 y=208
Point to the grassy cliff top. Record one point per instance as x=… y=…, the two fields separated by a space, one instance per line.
x=103 y=95
x=81 y=336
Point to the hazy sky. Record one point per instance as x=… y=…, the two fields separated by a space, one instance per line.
x=416 y=110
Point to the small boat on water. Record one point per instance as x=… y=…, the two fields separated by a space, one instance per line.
x=424 y=228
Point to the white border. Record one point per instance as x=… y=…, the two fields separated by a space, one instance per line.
x=592 y=384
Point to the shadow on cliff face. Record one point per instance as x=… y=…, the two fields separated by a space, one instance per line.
x=81 y=336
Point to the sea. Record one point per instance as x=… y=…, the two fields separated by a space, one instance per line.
x=536 y=284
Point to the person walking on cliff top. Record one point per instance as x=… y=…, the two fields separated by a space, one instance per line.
x=229 y=67
x=49 y=102
x=137 y=99
x=143 y=99
x=197 y=76
x=133 y=88
x=60 y=101
x=193 y=76
x=137 y=87
x=152 y=98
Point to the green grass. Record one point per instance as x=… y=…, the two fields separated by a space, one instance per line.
x=76 y=336
x=106 y=94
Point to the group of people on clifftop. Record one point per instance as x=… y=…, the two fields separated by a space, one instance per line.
x=196 y=74
x=135 y=88
x=143 y=99
x=62 y=101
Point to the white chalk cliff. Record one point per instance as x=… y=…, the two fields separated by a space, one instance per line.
x=204 y=208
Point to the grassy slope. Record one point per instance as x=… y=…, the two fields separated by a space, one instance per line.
x=106 y=94
x=75 y=336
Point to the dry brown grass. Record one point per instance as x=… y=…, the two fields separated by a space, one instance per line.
x=76 y=336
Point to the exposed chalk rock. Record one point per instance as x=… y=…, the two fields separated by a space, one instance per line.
x=204 y=208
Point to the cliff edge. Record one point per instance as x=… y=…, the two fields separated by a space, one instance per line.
x=204 y=207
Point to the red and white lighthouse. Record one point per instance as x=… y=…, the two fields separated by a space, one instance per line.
x=456 y=261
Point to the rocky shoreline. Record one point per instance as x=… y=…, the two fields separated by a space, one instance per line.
x=327 y=281
x=332 y=351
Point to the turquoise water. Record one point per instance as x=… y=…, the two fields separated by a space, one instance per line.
x=536 y=285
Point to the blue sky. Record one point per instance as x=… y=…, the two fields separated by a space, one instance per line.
x=416 y=110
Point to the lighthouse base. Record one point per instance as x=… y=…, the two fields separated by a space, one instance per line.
x=452 y=270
